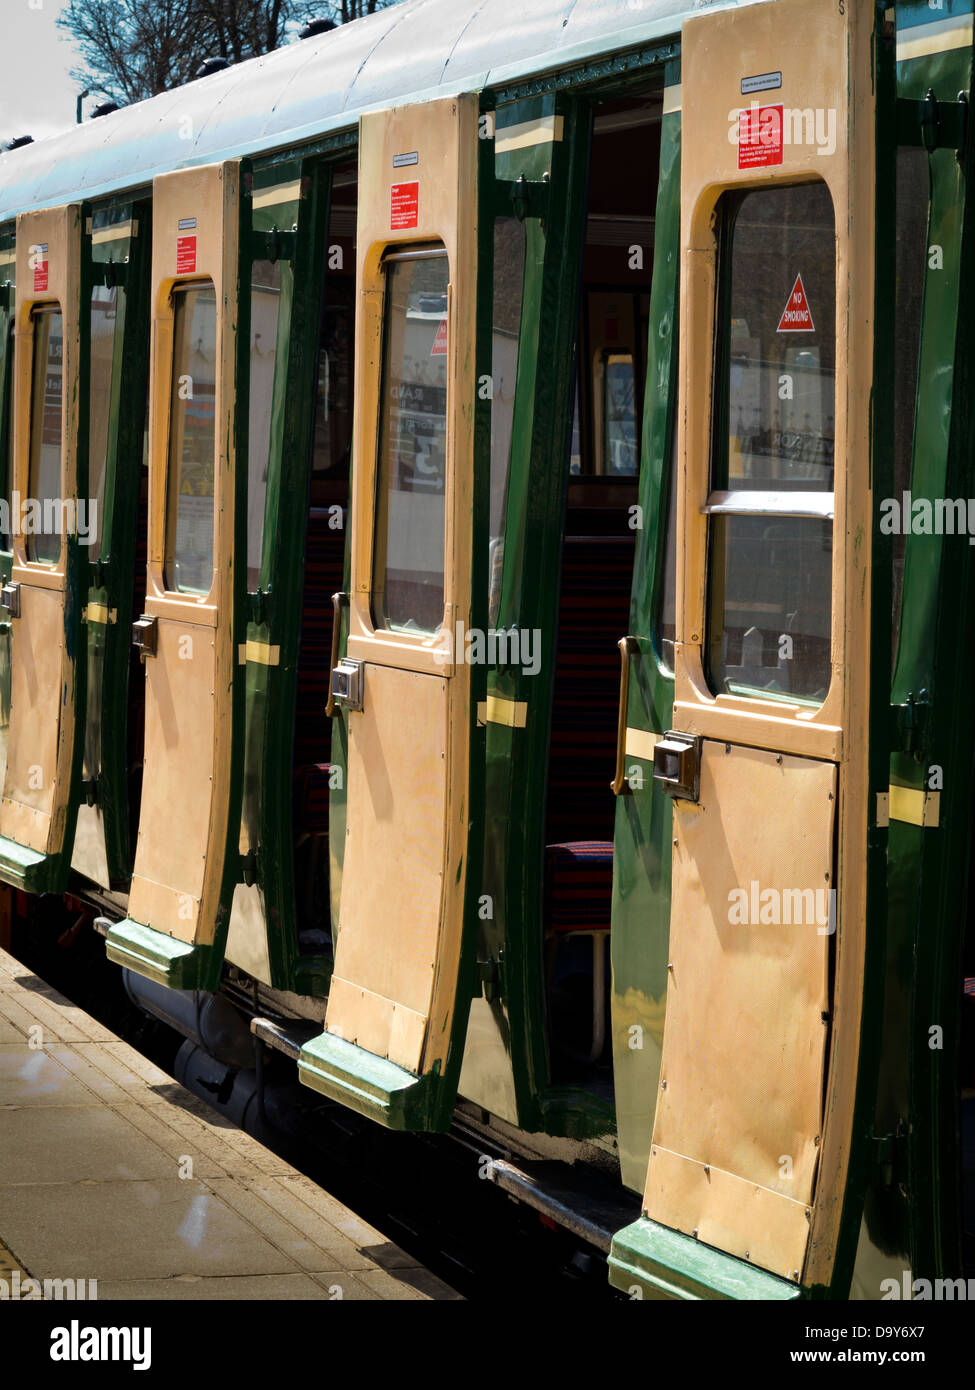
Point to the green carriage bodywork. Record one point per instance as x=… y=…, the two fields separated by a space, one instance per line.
x=122 y=259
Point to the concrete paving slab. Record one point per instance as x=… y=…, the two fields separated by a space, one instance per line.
x=110 y=1171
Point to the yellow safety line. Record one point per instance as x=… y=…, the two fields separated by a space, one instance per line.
x=263 y=653
x=909 y=805
x=546 y=131
x=496 y=709
x=944 y=34
x=640 y=743
x=280 y=193
x=116 y=232
x=99 y=613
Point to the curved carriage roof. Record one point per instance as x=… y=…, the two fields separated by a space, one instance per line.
x=322 y=84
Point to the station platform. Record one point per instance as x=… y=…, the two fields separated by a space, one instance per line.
x=110 y=1171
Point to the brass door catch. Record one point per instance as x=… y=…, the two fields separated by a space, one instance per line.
x=347 y=684
x=144 y=636
x=10 y=599
x=677 y=765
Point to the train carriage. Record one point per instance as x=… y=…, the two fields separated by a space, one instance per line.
x=508 y=623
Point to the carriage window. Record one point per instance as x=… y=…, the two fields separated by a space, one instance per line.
x=269 y=283
x=771 y=504
x=189 y=501
x=44 y=543
x=107 y=320
x=408 y=567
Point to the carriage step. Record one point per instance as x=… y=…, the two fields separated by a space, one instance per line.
x=591 y=1210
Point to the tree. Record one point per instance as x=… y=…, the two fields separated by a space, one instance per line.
x=132 y=49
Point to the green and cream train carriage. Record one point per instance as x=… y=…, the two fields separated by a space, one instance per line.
x=456 y=419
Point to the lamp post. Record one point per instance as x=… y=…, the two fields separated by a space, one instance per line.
x=77 y=109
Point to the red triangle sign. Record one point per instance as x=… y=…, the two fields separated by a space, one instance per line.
x=797 y=316
x=439 y=348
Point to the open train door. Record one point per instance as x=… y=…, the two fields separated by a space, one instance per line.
x=776 y=805
x=41 y=601
x=186 y=863
x=398 y=999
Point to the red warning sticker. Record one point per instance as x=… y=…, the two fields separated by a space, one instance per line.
x=439 y=348
x=185 y=255
x=797 y=316
x=404 y=206
x=760 y=137
x=40 y=274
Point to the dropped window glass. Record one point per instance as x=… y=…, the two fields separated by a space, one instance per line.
x=190 y=474
x=270 y=286
x=509 y=277
x=107 y=323
x=408 y=568
x=771 y=504
x=667 y=606
x=575 y=447
x=43 y=538
x=6 y=541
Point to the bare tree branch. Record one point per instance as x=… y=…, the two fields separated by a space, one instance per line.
x=132 y=49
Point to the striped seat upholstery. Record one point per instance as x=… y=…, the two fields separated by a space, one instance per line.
x=579 y=885
x=324 y=566
x=311 y=799
x=970 y=986
x=594 y=614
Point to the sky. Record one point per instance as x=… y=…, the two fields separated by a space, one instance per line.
x=37 y=97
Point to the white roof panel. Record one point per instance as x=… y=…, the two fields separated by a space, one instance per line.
x=322 y=84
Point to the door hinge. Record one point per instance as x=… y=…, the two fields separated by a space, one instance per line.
x=909 y=723
x=889 y=1157
x=490 y=979
x=250 y=867
x=529 y=197
x=275 y=245
x=932 y=124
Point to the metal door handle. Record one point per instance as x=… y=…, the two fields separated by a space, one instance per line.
x=338 y=600
x=628 y=646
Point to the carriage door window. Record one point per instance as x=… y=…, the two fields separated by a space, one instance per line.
x=189 y=500
x=44 y=541
x=269 y=281
x=408 y=568
x=7 y=443
x=771 y=505
x=107 y=328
